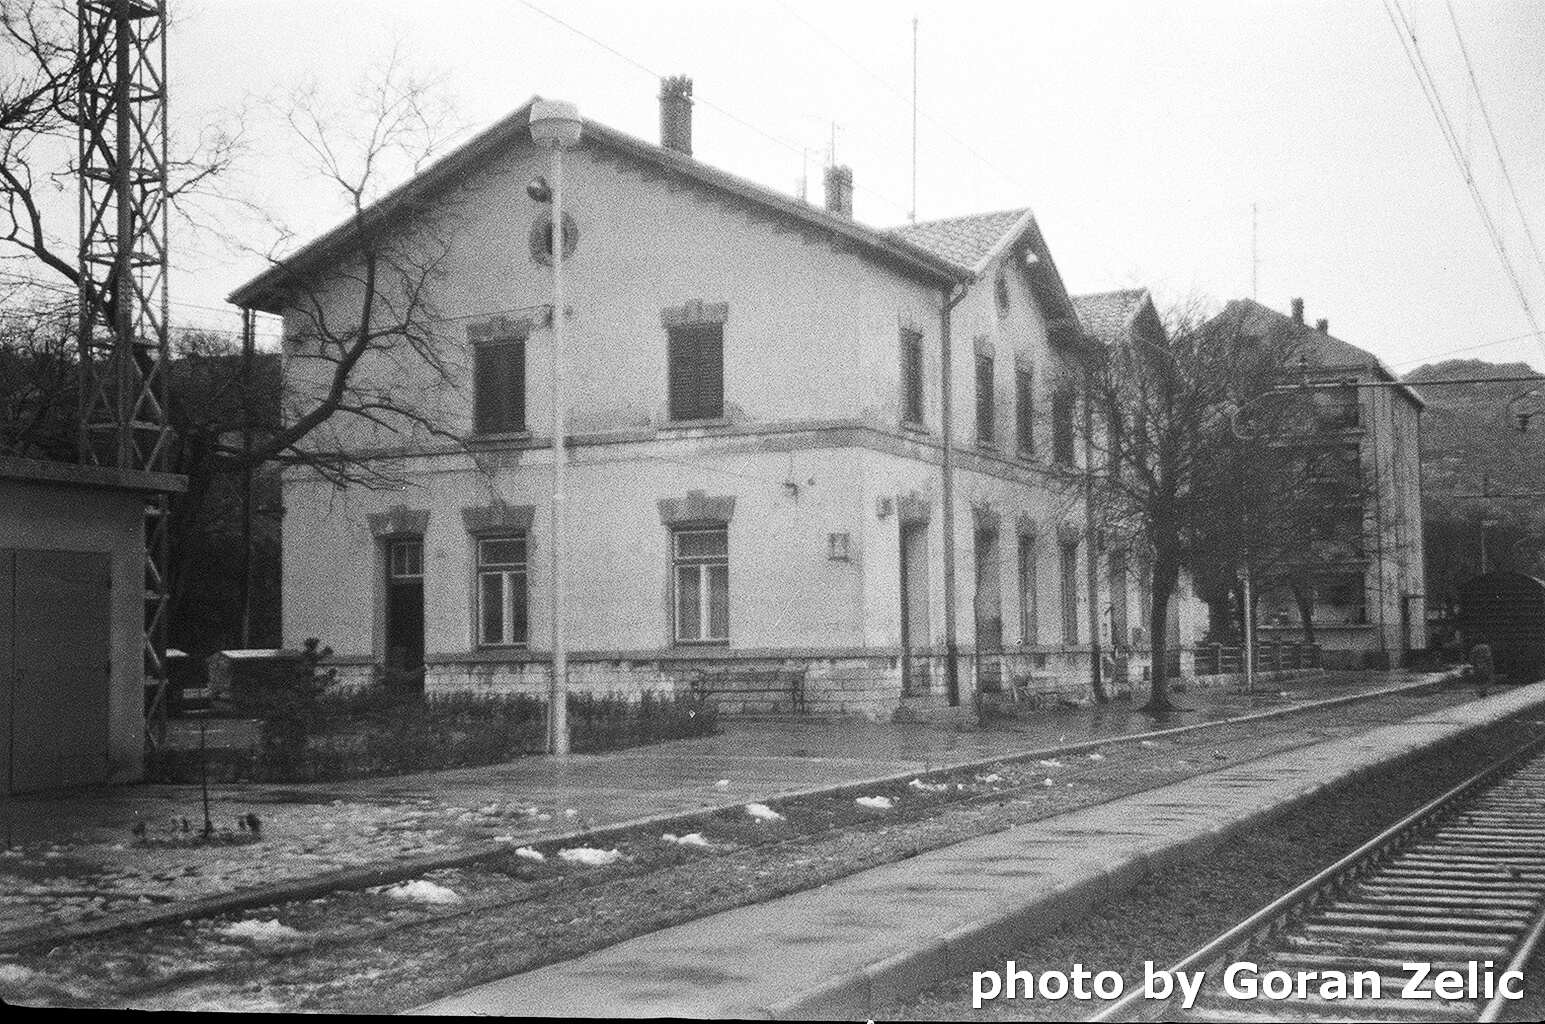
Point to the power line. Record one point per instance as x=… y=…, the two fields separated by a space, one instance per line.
x=1419 y=67
x=1495 y=144
x=797 y=150
x=1466 y=348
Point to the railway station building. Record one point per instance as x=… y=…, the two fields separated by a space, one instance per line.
x=760 y=395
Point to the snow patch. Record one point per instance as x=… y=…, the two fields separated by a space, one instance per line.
x=927 y=787
x=16 y=976
x=878 y=803
x=990 y=777
x=690 y=839
x=1047 y=782
x=761 y=812
x=421 y=890
x=1096 y=756
x=260 y=931
x=531 y=854
x=1050 y=762
x=722 y=784
x=589 y=856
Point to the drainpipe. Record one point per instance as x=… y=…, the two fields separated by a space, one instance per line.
x=952 y=298
x=1091 y=555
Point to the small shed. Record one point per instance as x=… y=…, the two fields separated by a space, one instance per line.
x=72 y=612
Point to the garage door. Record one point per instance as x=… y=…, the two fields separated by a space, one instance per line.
x=54 y=668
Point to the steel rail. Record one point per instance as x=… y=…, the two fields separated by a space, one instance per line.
x=1298 y=901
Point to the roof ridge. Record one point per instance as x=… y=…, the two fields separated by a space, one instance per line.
x=1017 y=211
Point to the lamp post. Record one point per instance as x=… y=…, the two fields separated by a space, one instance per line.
x=555 y=125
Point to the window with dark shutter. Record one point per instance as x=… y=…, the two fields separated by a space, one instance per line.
x=696 y=370
x=984 y=411
x=912 y=377
x=1024 y=411
x=499 y=379
x=1062 y=408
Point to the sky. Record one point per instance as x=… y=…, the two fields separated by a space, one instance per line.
x=1203 y=149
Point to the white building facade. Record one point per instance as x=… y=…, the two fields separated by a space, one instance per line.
x=761 y=395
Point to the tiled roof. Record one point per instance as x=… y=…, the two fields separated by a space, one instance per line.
x=962 y=240
x=1327 y=349
x=1107 y=314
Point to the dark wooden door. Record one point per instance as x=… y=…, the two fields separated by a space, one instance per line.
x=60 y=670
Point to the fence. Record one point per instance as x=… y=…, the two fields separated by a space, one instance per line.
x=1217 y=659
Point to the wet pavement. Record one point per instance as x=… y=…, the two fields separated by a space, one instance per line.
x=83 y=856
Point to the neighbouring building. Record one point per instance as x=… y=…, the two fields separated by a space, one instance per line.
x=1113 y=318
x=72 y=620
x=1367 y=594
x=807 y=459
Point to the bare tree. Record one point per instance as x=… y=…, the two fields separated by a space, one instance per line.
x=1182 y=484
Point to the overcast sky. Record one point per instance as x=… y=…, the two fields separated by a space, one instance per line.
x=1140 y=133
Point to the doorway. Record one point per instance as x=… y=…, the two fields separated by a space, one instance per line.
x=914 y=607
x=55 y=668
x=405 y=604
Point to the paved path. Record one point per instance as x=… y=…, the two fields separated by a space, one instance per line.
x=847 y=948
x=75 y=860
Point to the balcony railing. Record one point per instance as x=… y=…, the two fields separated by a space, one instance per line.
x=1218 y=659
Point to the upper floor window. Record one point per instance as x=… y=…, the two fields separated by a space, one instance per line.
x=502 y=619
x=984 y=410
x=1001 y=291
x=1062 y=409
x=1024 y=411
x=701 y=580
x=911 y=377
x=499 y=384
x=696 y=369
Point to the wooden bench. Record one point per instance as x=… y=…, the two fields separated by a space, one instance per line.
x=780 y=684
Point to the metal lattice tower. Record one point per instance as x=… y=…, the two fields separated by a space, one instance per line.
x=123 y=265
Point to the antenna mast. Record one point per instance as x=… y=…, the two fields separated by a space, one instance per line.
x=123 y=308
x=912 y=215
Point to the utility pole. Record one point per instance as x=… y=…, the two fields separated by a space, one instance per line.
x=1255 y=253
x=248 y=351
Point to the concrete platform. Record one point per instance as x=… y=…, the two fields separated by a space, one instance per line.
x=848 y=948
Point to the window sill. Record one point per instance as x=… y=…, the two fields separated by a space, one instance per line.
x=717 y=421
x=503 y=435
x=695 y=644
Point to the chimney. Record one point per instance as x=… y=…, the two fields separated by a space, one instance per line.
x=1298 y=311
x=1322 y=325
x=676 y=114
x=839 y=190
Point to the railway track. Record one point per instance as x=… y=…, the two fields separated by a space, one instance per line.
x=1459 y=885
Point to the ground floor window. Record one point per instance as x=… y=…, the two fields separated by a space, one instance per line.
x=1070 y=592
x=501 y=592
x=1029 y=630
x=701 y=574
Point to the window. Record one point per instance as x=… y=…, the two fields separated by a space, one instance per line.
x=1024 y=411
x=911 y=377
x=696 y=369
x=1070 y=592
x=1029 y=629
x=701 y=558
x=1001 y=290
x=405 y=560
x=984 y=418
x=501 y=592
x=1062 y=427
x=499 y=386
x=1119 y=634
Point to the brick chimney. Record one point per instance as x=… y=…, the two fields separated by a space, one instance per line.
x=839 y=190
x=676 y=114
x=1322 y=325
x=1298 y=311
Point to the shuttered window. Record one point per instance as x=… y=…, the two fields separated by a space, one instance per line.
x=1024 y=411
x=696 y=368
x=984 y=410
x=499 y=380
x=912 y=377
x=1062 y=408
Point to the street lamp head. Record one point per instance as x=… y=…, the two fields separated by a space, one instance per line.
x=555 y=123
x=538 y=189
